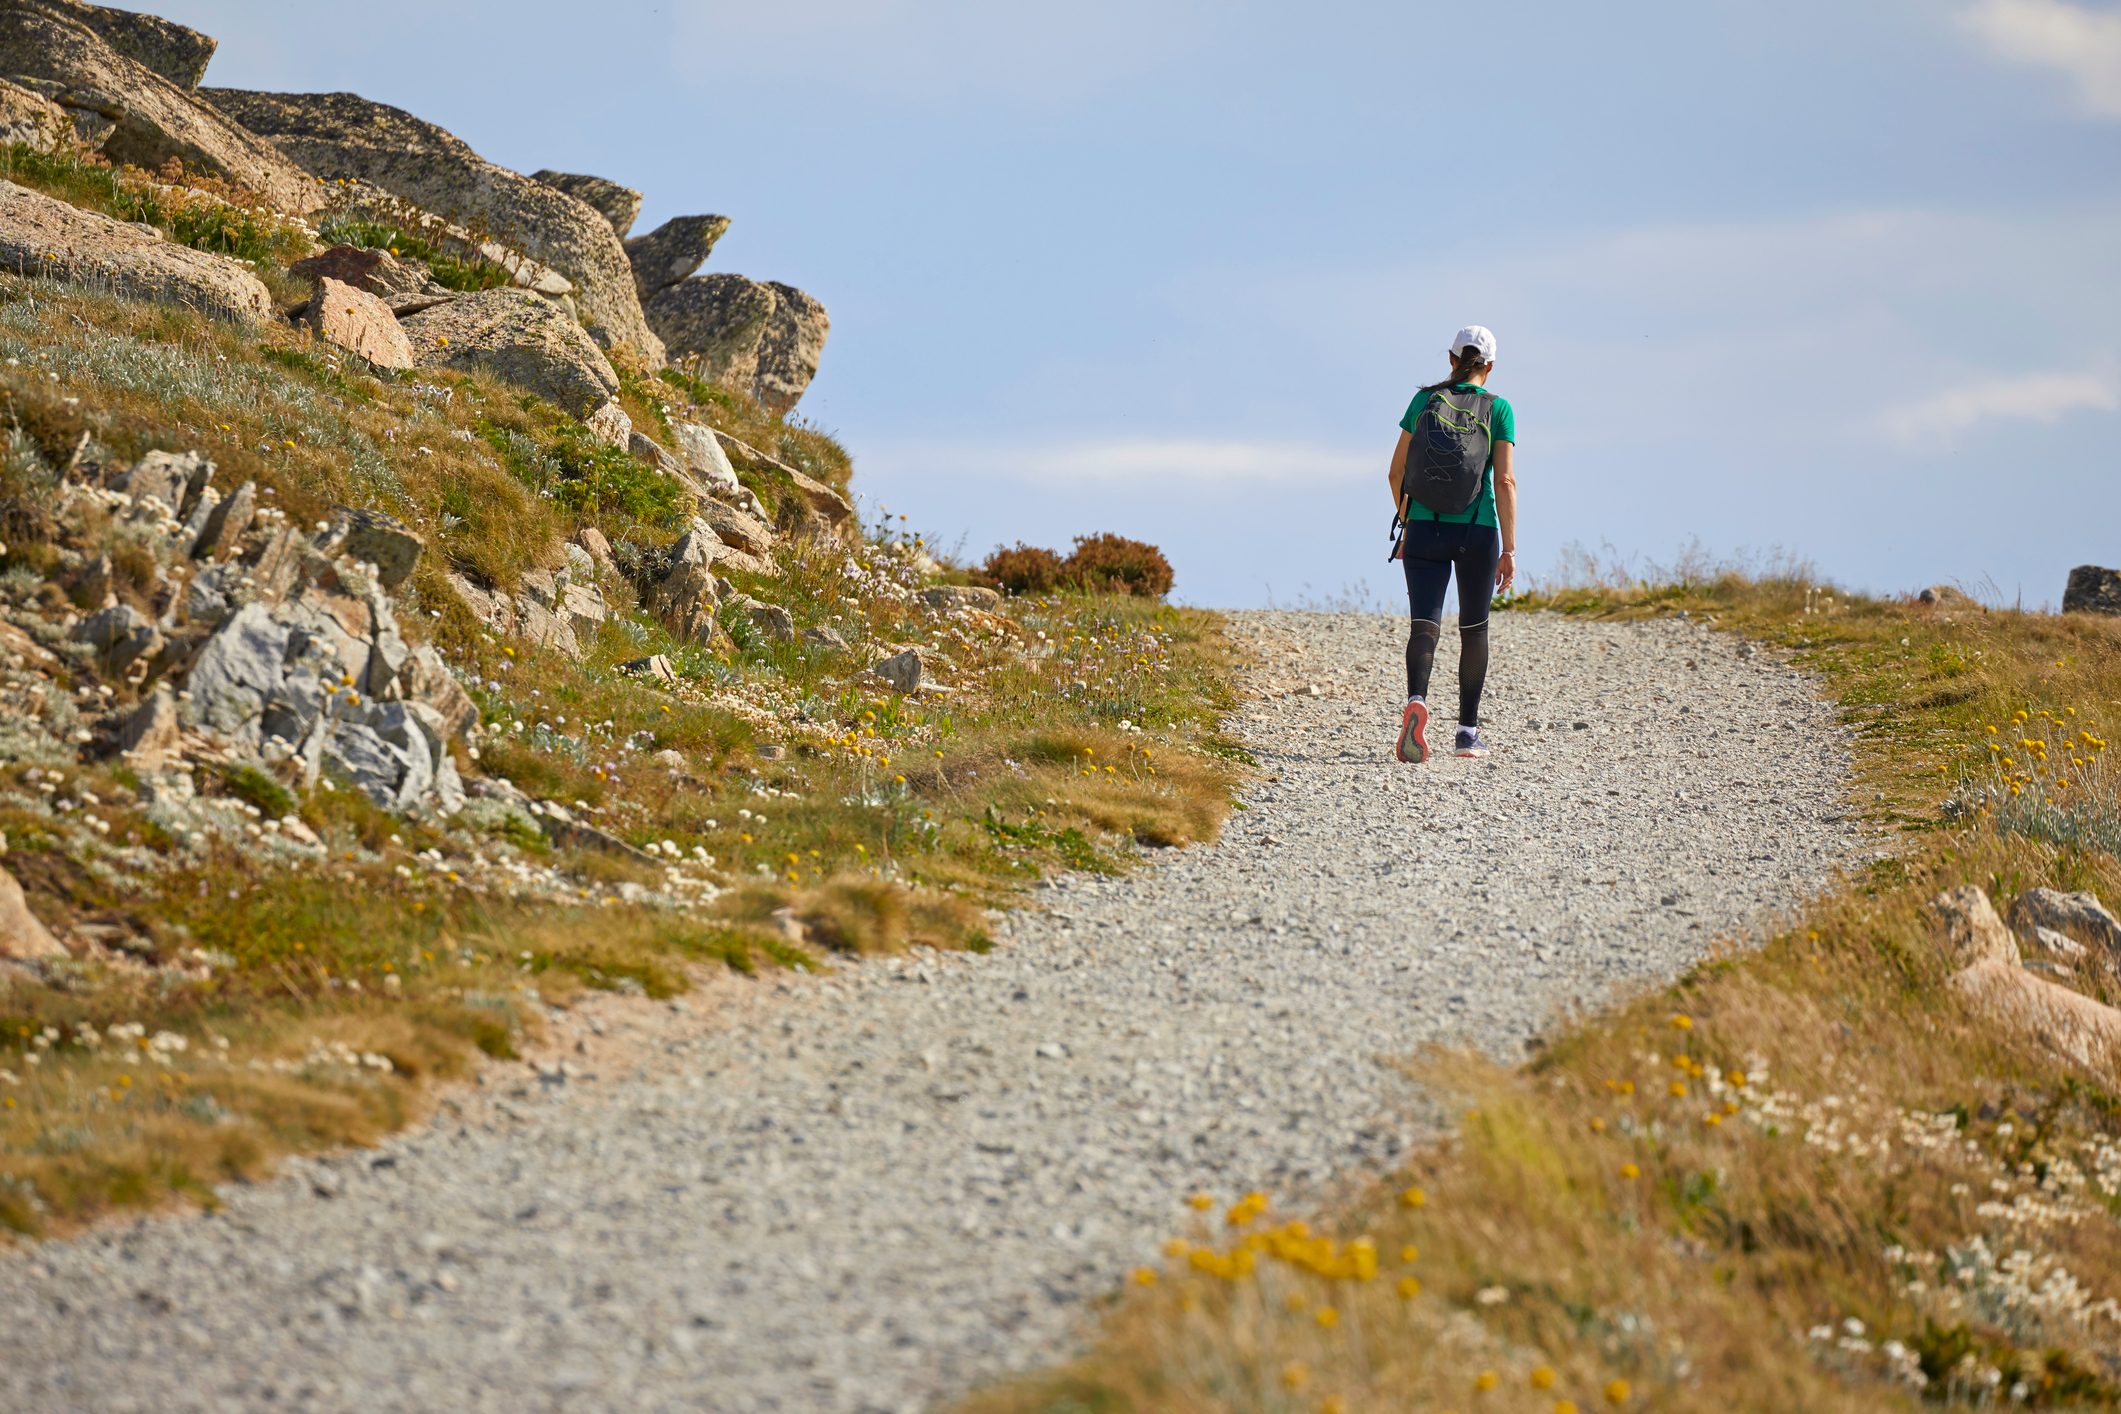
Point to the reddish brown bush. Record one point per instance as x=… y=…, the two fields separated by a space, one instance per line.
x=1117 y=564
x=1024 y=569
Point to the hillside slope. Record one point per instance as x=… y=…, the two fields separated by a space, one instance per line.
x=917 y=1174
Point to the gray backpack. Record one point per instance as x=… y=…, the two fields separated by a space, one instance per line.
x=1453 y=438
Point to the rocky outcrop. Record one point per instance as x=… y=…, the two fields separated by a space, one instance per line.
x=739 y=530
x=553 y=609
x=570 y=594
x=594 y=544
x=520 y=337
x=171 y=50
x=616 y=204
x=960 y=598
x=2092 y=589
x=271 y=647
x=176 y=480
x=1973 y=933
x=705 y=461
x=814 y=509
x=769 y=621
x=672 y=251
x=765 y=339
x=687 y=594
x=427 y=679
x=344 y=135
x=901 y=672
x=31 y=120
x=317 y=679
x=222 y=526
x=404 y=287
x=22 y=937
x=40 y=236
x=2079 y=918
x=119 y=637
x=152 y=735
x=357 y=322
x=2066 y=1022
x=376 y=538
x=128 y=109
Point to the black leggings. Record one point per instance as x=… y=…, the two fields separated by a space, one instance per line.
x=1432 y=551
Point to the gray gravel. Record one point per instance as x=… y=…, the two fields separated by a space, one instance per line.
x=872 y=1191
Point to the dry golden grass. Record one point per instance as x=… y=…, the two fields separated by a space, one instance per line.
x=1804 y=1177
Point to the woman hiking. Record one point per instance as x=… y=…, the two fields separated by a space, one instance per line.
x=1454 y=497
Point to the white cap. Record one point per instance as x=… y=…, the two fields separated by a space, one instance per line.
x=1477 y=337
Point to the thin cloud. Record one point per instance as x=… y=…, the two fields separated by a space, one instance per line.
x=1170 y=461
x=2080 y=43
x=1947 y=416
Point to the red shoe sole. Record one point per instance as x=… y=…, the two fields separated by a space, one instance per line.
x=1414 y=726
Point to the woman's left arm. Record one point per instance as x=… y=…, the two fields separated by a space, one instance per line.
x=1506 y=511
x=1398 y=473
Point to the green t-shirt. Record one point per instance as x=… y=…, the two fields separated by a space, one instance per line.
x=1504 y=426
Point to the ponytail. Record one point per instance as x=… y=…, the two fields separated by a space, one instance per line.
x=1464 y=364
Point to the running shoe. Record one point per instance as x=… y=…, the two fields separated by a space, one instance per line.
x=1414 y=731
x=1470 y=743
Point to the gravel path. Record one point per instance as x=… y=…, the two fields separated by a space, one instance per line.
x=873 y=1190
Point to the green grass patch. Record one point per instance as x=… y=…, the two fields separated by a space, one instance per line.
x=203 y=217
x=453 y=271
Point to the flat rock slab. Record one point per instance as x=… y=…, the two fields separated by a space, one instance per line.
x=359 y=322
x=907 y=1177
x=41 y=236
x=522 y=338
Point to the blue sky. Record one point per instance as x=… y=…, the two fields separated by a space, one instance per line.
x=1835 y=279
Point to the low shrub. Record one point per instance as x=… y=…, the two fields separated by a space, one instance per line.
x=1024 y=569
x=1100 y=564
x=1114 y=564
